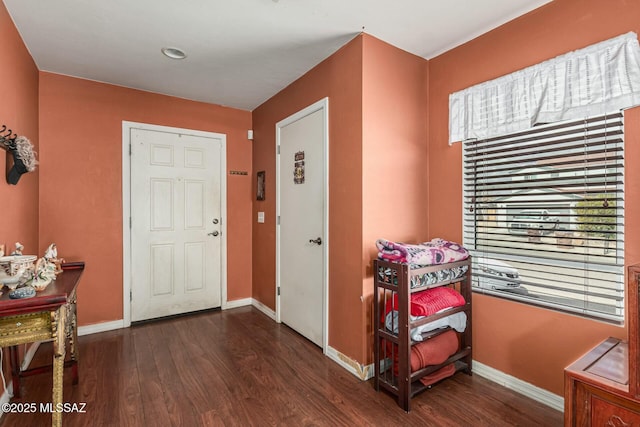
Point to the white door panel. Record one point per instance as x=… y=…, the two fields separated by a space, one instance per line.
x=175 y=196
x=302 y=221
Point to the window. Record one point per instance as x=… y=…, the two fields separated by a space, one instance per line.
x=544 y=215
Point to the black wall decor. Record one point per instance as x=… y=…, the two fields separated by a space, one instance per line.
x=260 y=186
x=20 y=156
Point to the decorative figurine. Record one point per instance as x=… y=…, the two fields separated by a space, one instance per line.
x=23 y=292
x=18 y=250
x=51 y=252
x=16 y=269
x=51 y=256
x=44 y=273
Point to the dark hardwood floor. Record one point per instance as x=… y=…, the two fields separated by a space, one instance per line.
x=240 y=368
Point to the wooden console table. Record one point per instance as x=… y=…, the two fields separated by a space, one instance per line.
x=50 y=315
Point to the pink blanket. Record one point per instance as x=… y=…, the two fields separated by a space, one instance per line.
x=437 y=251
x=434 y=351
x=431 y=352
x=430 y=301
x=438 y=375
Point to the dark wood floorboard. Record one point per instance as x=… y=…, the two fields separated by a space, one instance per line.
x=239 y=368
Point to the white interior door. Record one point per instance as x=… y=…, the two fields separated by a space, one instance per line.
x=302 y=233
x=175 y=223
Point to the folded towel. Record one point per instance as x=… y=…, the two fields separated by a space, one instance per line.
x=457 y=321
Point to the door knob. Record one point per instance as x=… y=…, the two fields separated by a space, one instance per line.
x=213 y=233
x=317 y=241
x=215 y=220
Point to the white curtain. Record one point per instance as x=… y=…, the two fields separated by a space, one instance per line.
x=600 y=78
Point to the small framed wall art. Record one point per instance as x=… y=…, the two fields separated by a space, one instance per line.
x=298 y=168
x=260 y=186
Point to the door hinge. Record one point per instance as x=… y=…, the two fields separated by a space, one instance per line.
x=278 y=149
x=278 y=290
x=278 y=220
x=129 y=148
x=130 y=222
x=130 y=295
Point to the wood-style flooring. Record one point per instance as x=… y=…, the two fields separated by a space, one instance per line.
x=240 y=368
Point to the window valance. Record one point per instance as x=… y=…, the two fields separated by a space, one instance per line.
x=599 y=78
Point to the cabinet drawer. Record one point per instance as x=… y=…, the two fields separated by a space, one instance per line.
x=22 y=328
x=604 y=413
x=600 y=408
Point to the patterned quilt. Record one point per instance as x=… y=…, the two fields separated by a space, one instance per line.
x=437 y=251
x=388 y=275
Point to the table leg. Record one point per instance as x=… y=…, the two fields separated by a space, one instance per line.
x=73 y=343
x=15 y=369
x=58 y=368
x=58 y=324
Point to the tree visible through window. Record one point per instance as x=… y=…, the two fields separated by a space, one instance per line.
x=597 y=216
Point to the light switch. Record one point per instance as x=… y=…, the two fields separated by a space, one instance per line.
x=261 y=217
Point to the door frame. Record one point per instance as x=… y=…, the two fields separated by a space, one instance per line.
x=323 y=105
x=126 y=207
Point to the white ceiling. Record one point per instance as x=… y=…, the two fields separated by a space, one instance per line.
x=240 y=52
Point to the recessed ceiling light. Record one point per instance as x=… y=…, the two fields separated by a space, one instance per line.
x=173 y=53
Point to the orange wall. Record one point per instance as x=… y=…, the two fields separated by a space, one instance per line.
x=529 y=343
x=340 y=78
x=81 y=180
x=394 y=159
x=80 y=174
x=18 y=111
x=377 y=100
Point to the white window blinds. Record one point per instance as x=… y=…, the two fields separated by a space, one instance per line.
x=602 y=77
x=544 y=215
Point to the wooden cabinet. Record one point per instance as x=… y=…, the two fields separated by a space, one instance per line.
x=602 y=387
x=633 y=277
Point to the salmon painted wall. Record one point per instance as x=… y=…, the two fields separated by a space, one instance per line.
x=18 y=111
x=529 y=343
x=81 y=180
x=394 y=158
x=339 y=77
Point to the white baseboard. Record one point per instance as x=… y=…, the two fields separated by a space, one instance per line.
x=360 y=371
x=119 y=324
x=236 y=303
x=263 y=308
x=536 y=393
x=100 y=327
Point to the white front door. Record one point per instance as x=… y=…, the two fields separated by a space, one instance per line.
x=302 y=235
x=175 y=223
